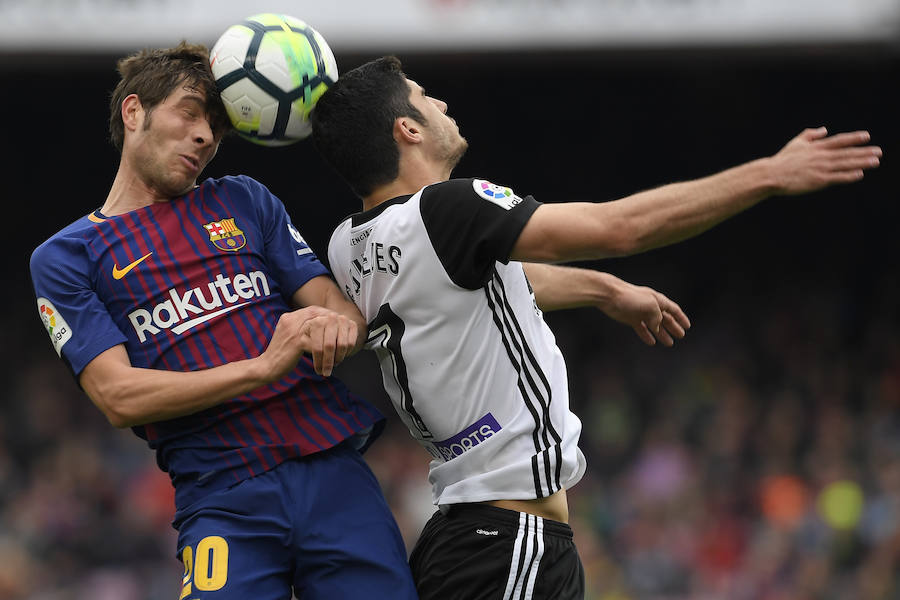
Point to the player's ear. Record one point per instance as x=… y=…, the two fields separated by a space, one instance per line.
x=132 y=111
x=407 y=130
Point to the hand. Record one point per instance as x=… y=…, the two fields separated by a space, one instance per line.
x=330 y=337
x=651 y=314
x=325 y=334
x=812 y=161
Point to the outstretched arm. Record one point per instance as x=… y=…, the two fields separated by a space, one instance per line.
x=652 y=315
x=671 y=213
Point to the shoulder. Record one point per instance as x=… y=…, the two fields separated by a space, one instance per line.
x=457 y=197
x=66 y=255
x=340 y=232
x=66 y=241
x=241 y=191
x=473 y=189
x=235 y=182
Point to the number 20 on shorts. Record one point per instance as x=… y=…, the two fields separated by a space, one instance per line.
x=207 y=567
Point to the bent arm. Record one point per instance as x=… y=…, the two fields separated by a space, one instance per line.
x=131 y=396
x=559 y=288
x=649 y=313
x=678 y=211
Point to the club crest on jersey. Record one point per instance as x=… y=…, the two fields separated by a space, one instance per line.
x=225 y=235
x=503 y=197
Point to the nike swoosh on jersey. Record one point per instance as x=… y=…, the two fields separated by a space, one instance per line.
x=120 y=273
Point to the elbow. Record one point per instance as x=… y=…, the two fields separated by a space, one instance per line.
x=609 y=237
x=114 y=407
x=119 y=420
x=117 y=415
x=623 y=239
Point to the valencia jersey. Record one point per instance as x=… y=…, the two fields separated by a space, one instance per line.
x=191 y=284
x=466 y=357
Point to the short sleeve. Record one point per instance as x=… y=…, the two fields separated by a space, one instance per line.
x=77 y=321
x=472 y=224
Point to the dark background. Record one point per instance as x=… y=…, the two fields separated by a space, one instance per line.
x=814 y=275
x=560 y=126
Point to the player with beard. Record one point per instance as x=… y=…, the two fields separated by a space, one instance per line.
x=443 y=271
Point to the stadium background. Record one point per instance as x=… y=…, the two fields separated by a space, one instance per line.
x=759 y=458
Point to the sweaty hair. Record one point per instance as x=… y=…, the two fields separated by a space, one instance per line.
x=353 y=123
x=153 y=74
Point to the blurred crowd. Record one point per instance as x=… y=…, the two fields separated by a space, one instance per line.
x=759 y=459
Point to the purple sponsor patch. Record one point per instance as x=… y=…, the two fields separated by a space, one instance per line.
x=468 y=438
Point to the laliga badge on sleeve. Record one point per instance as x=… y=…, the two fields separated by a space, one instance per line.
x=59 y=330
x=503 y=197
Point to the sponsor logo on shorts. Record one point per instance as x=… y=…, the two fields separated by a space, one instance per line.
x=468 y=438
x=486 y=532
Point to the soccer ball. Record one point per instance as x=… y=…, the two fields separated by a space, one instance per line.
x=270 y=71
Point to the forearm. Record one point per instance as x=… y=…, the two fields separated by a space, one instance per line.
x=651 y=314
x=671 y=213
x=131 y=396
x=678 y=211
x=559 y=288
x=643 y=221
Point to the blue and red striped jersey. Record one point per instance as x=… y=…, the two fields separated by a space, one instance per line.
x=191 y=284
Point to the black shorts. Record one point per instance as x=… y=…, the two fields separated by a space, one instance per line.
x=477 y=551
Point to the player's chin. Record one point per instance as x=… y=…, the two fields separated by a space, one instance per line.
x=180 y=186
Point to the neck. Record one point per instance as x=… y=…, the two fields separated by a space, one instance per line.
x=412 y=178
x=129 y=192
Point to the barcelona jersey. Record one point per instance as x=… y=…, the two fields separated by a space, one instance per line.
x=189 y=284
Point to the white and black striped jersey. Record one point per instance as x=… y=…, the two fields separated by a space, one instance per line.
x=466 y=357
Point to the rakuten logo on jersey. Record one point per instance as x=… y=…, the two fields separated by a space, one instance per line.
x=200 y=304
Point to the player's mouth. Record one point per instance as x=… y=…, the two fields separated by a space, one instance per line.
x=191 y=161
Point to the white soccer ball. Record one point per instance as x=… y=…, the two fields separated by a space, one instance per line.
x=270 y=70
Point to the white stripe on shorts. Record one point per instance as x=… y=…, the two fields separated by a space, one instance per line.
x=526 y=558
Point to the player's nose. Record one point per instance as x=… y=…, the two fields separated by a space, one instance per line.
x=202 y=133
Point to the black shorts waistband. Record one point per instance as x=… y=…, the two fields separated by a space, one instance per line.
x=500 y=516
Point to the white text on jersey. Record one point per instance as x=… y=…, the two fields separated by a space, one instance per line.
x=175 y=312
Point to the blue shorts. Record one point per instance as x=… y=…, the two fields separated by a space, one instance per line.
x=318 y=527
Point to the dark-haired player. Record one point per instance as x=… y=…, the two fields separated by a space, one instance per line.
x=435 y=266
x=197 y=315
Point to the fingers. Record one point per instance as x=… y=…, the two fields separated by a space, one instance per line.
x=328 y=338
x=673 y=328
x=324 y=349
x=674 y=313
x=855 y=163
x=346 y=340
x=811 y=134
x=846 y=176
x=644 y=333
x=841 y=140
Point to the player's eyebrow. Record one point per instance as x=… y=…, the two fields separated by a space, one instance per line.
x=194 y=95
